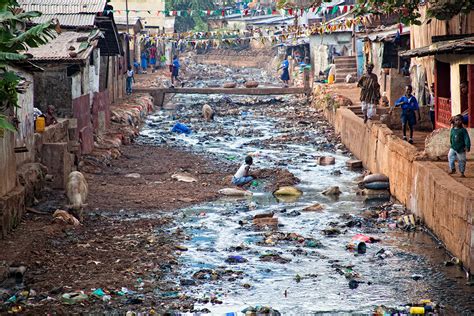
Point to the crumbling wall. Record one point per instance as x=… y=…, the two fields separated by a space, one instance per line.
x=53 y=86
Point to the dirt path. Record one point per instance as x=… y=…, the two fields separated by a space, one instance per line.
x=126 y=240
x=113 y=249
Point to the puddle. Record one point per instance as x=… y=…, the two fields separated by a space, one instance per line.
x=314 y=280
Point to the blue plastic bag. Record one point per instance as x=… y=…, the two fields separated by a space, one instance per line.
x=181 y=129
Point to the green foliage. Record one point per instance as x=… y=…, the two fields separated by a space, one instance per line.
x=187 y=23
x=14 y=39
x=301 y=4
x=408 y=9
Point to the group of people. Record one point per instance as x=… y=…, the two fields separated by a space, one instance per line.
x=174 y=70
x=149 y=57
x=410 y=114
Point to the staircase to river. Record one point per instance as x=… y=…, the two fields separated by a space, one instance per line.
x=345 y=65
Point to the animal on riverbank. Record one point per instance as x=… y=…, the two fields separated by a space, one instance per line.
x=77 y=191
x=207 y=112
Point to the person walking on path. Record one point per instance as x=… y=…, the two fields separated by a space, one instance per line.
x=285 y=76
x=242 y=176
x=460 y=145
x=144 y=62
x=153 y=58
x=175 y=72
x=409 y=105
x=130 y=79
x=370 y=93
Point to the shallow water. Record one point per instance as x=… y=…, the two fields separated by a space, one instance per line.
x=214 y=228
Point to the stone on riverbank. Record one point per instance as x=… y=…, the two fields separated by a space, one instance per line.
x=235 y=192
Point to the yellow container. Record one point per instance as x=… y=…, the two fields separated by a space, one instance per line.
x=331 y=79
x=40 y=124
x=415 y=310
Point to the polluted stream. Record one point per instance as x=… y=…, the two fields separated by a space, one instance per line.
x=303 y=266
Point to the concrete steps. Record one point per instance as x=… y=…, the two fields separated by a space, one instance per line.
x=345 y=65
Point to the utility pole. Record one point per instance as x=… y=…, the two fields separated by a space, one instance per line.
x=126 y=13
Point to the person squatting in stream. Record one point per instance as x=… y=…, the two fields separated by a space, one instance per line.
x=242 y=176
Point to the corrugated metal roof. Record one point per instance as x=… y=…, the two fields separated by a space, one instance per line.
x=457 y=46
x=78 y=20
x=63 y=6
x=59 y=49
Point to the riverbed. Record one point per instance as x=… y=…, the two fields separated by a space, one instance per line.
x=289 y=274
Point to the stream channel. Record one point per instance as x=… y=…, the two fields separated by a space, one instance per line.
x=305 y=279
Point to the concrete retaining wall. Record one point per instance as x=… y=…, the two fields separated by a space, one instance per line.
x=445 y=205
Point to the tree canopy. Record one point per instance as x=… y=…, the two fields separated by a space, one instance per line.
x=188 y=22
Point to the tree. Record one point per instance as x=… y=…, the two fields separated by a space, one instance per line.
x=187 y=22
x=14 y=40
x=299 y=4
x=408 y=9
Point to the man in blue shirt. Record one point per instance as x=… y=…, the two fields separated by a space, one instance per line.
x=409 y=105
x=175 y=72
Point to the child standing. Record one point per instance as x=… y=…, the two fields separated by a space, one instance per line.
x=175 y=72
x=242 y=176
x=409 y=105
x=460 y=144
x=130 y=79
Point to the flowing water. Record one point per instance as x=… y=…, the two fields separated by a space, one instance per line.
x=312 y=280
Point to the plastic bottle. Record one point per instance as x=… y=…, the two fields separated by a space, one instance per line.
x=417 y=310
x=40 y=124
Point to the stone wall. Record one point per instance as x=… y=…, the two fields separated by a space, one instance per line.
x=445 y=205
x=53 y=86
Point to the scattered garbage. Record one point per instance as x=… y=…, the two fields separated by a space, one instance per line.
x=260 y=310
x=183 y=177
x=73 y=298
x=326 y=161
x=61 y=216
x=359 y=246
x=235 y=259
